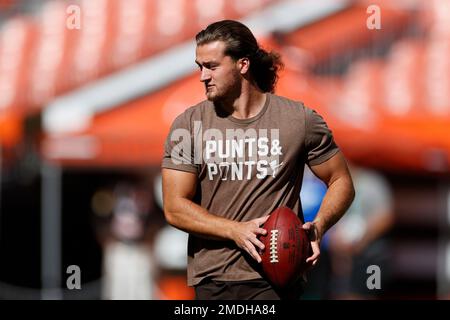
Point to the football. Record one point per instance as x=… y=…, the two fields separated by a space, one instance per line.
x=286 y=247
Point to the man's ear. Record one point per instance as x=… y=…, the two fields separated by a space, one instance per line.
x=244 y=65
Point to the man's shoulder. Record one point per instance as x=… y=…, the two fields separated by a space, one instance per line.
x=288 y=108
x=298 y=105
x=197 y=109
x=193 y=112
x=285 y=101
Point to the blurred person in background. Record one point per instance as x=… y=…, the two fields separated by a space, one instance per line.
x=225 y=220
x=127 y=260
x=361 y=238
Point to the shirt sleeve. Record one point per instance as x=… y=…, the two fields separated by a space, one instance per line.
x=179 y=146
x=320 y=145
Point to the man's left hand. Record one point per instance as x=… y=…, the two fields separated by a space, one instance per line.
x=314 y=238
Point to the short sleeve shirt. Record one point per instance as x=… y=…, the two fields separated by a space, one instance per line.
x=246 y=168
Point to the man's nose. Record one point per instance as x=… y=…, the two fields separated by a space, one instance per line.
x=205 y=75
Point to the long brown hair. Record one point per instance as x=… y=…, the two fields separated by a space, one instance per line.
x=239 y=43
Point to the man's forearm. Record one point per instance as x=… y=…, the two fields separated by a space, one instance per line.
x=337 y=200
x=192 y=218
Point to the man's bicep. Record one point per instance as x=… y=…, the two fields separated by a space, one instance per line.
x=332 y=169
x=178 y=184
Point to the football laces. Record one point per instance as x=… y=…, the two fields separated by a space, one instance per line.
x=273 y=246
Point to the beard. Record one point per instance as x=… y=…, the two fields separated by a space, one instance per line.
x=224 y=93
x=213 y=95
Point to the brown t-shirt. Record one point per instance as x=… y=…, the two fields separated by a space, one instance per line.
x=246 y=169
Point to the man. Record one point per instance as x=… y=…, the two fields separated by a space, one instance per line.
x=232 y=159
x=362 y=237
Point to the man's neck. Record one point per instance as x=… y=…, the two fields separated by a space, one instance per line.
x=248 y=104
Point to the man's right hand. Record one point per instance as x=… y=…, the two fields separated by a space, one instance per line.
x=245 y=234
x=179 y=188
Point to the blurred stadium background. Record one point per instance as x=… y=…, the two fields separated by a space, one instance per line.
x=89 y=88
